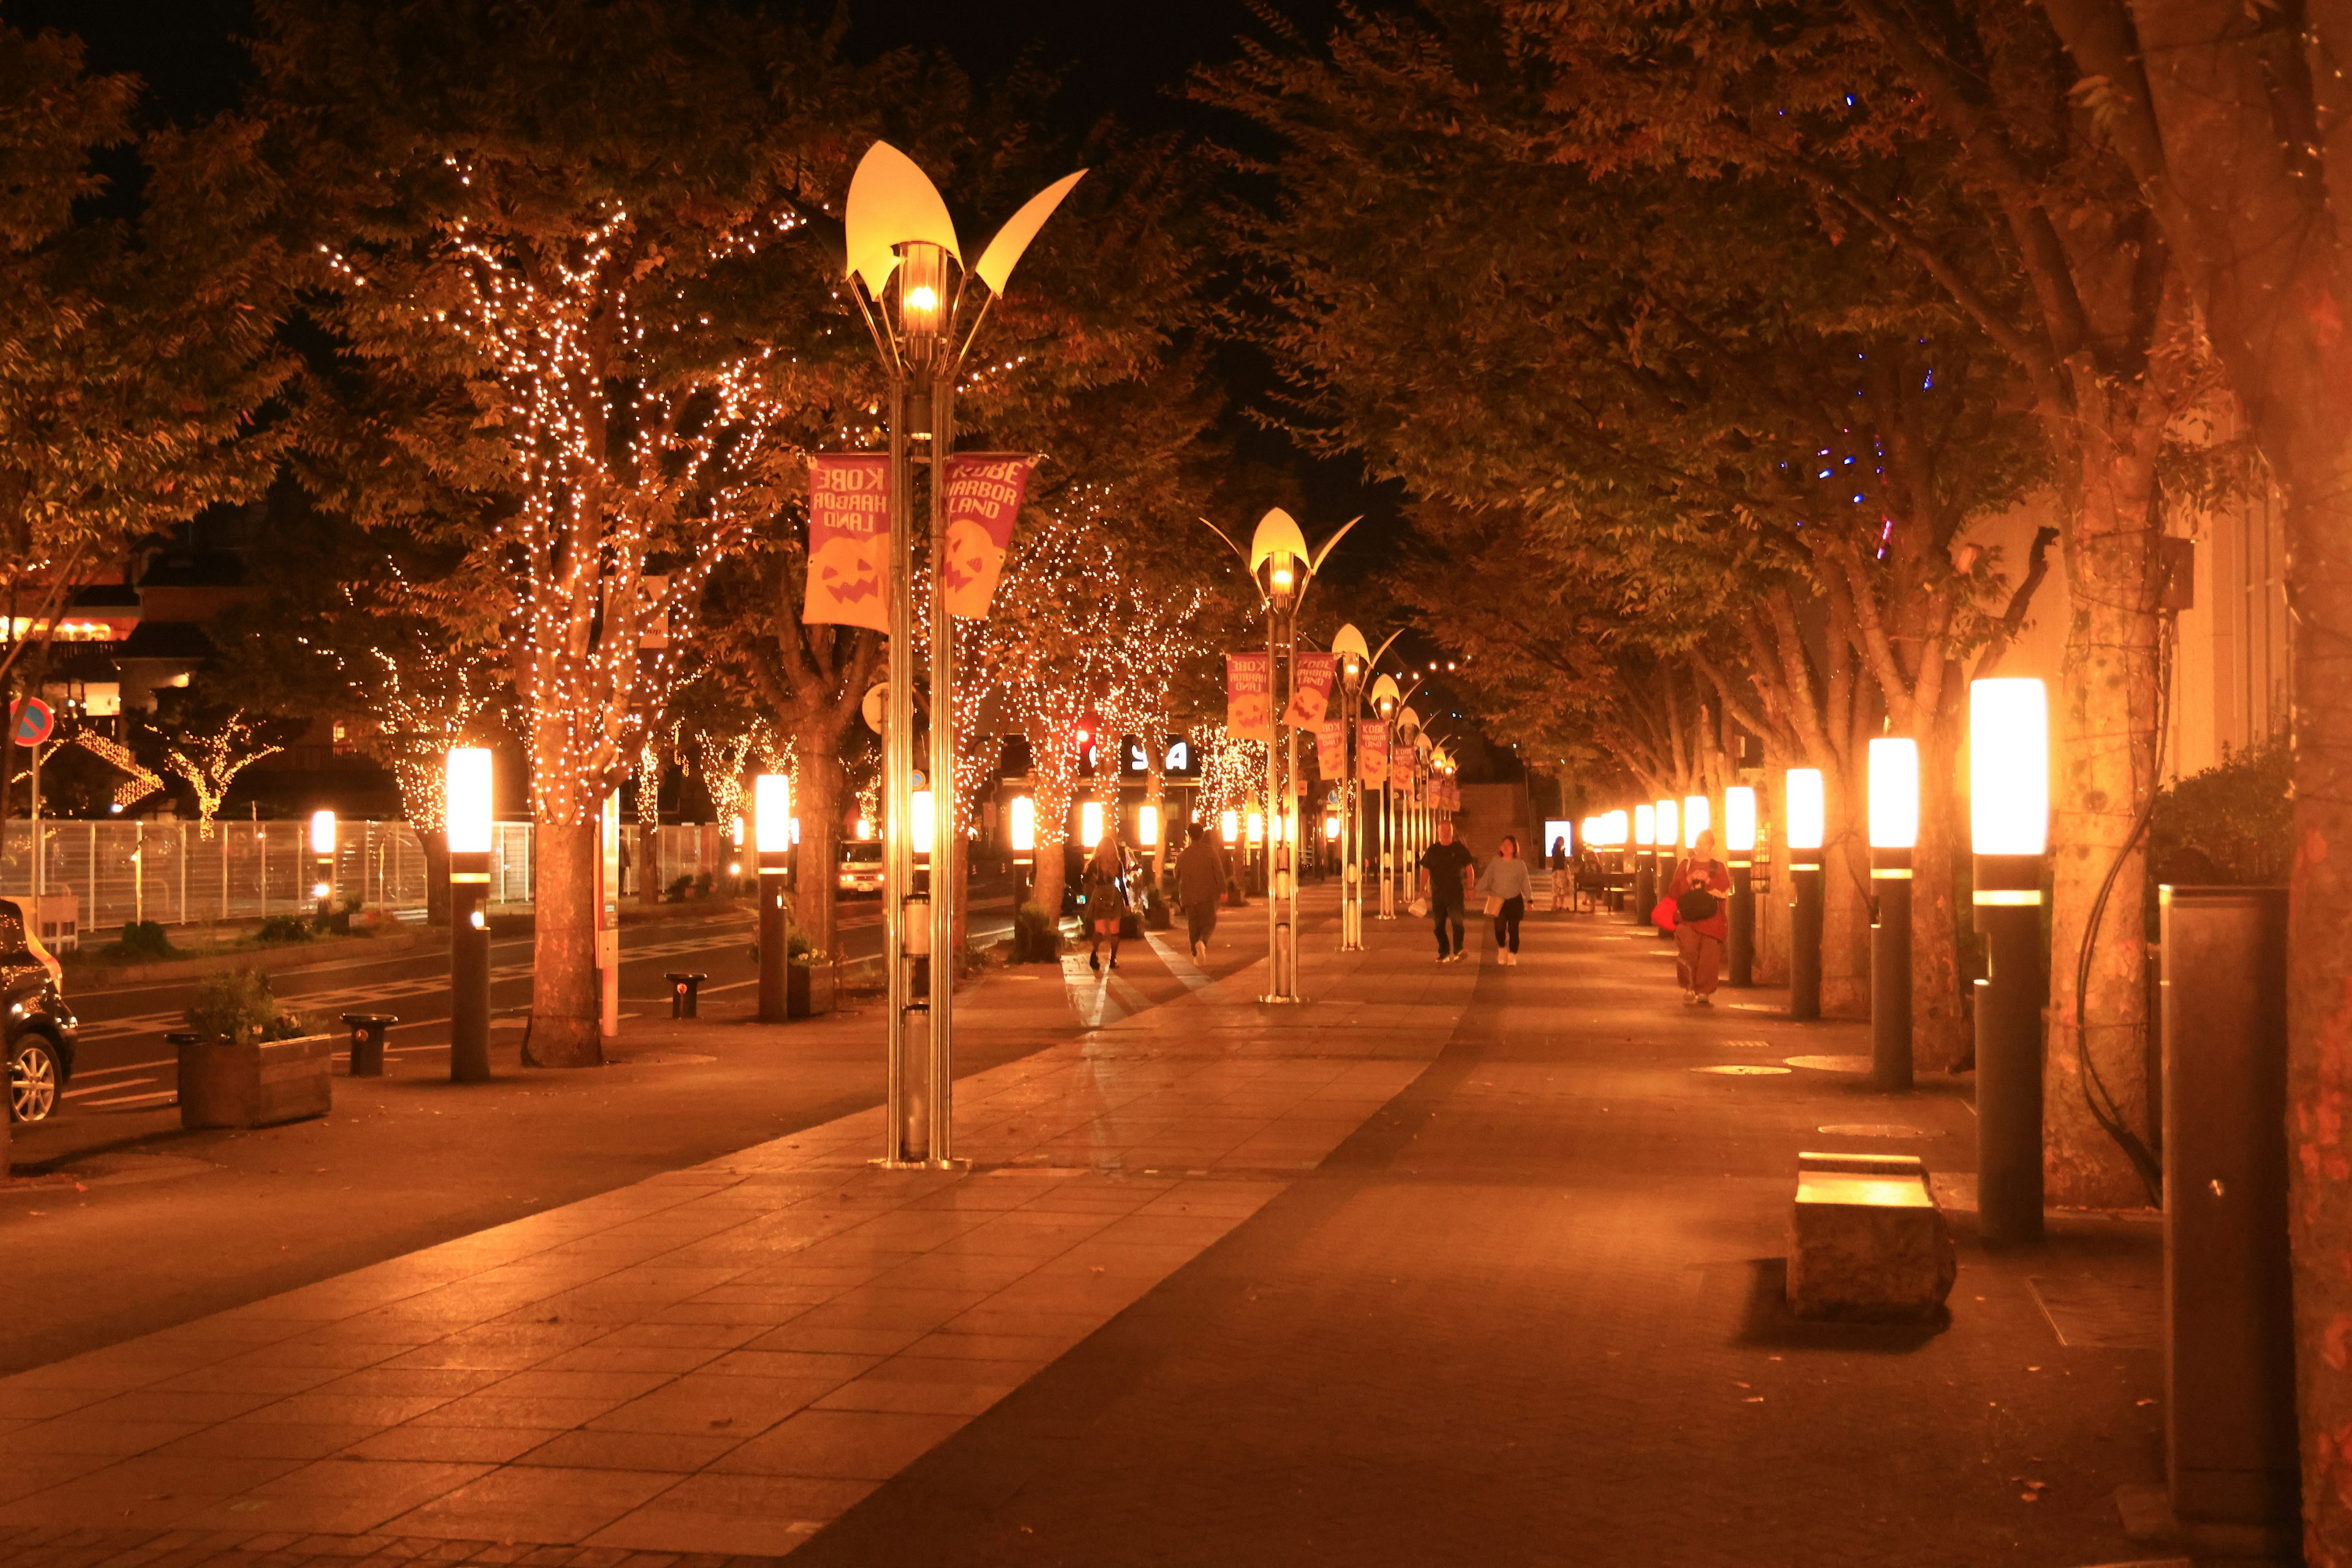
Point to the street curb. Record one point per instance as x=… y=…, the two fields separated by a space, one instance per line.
x=267 y=961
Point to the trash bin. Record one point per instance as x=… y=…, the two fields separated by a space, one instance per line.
x=368 y=1031
x=684 y=992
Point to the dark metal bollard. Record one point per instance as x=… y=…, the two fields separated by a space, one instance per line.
x=1740 y=953
x=1805 y=940
x=368 y=1031
x=1890 y=972
x=685 y=991
x=2010 y=1000
x=2228 y=1308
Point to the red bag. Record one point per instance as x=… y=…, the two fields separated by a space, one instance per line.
x=1663 y=917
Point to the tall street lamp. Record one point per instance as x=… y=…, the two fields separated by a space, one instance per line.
x=1806 y=812
x=468 y=818
x=1355 y=657
x=1740 y=847
x=2009 y=820
x=1893 y=831
x=1386 y=699
x=771 y=841
x=906 y=275
x=1277 y=556
x=1645 y=861
x=322 y=863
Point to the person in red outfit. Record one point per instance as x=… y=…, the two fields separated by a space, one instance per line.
x=1700 y=932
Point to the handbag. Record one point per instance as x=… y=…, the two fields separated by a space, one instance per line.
x=1494 y=905
x=1696 y=904
x=1663 y=917
x=1419 y=908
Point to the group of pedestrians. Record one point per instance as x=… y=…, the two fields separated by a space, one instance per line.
x=1450 y=876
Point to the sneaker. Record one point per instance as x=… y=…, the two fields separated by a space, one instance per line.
x=1703 y=1001
x=1201 y=951
x=1094 y=961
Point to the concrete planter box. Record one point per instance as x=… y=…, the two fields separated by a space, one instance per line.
x=255 y=1085
x=808 y=989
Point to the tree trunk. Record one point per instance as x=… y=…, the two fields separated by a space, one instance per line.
x=1942 y=1039
x=2106 y=745
x=815 y=875
x=435 y=843
x=1053 y=833
x=1845 y=900
x=563 y=993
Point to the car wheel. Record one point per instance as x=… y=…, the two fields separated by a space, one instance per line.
x=33 y=1080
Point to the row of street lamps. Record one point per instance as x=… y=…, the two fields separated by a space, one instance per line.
x=2008 y=800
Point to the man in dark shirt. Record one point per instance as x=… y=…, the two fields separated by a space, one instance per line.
x=1446 y=868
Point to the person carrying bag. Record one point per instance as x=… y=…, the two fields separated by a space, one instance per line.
x=1507 y=886
x=1702 y=924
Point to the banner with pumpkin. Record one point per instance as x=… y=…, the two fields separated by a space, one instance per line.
x=849 y=541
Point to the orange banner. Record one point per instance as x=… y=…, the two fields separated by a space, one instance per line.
x=849 y=541
x=983 y=502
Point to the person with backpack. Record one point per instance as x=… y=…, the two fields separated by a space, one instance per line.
x=1104 y=891
x=1702 y=919
x=1563 y=883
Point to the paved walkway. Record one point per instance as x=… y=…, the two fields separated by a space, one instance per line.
x=721 y=1359
x=1463 y=1265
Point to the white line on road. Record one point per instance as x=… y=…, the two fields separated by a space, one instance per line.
x=102 y=1087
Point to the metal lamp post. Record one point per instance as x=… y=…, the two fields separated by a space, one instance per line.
x=466 y=816
x=1354 y=659
x=1278 y=553
x=1804 y=832
x=1740 y=847
x=1385 y=699
x=906 y=275
x=2008 y=812
x=771 y=841
x=1645 y=861
x=1894 y=832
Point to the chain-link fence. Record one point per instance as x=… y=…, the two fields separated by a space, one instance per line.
x=170 y=872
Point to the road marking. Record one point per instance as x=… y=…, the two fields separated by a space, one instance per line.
x=102 y=1087
x=1180 y=965
x=127 y=1067
x=136 y=1098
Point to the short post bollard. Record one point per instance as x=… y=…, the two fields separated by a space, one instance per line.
x=685 y=991
x=368 y=1031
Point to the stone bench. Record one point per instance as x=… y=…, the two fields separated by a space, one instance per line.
x=1866 y=1239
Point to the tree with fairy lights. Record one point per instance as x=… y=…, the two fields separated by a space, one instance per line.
x=551 y=248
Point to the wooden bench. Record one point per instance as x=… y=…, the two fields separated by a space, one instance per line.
x=1866 y=1239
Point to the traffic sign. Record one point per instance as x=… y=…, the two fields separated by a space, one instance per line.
x=31 y=724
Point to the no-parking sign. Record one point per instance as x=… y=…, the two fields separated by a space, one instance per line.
x=31 y=724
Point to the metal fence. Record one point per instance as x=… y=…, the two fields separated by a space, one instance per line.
x=170 y=872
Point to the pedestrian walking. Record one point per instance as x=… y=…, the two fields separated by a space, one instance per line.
x=1507 y=885
x=1563 y=885
x=1702 y=925
x=1446 y=868
x=1103 y=890
x=1201 y=884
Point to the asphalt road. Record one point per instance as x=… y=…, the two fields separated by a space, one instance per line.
x=122 y=1066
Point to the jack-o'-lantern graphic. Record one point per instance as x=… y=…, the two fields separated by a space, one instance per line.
x=846 y=576
x=974 y=560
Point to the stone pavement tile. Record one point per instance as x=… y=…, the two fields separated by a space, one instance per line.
x=499 y=1346
x=76 y=1434
x=714 y=1336
x=411 y=1382
x=150 y=1491
x=746 y=1514
x=29 y=1402
x=315 y=1408
x=249 y=1440
x=603 y=1356
x=797 y=1336
x=680 y=1452
x=25 y=1474
x=820 y=1365
x=854 y=1445
x=239 y=1376
x=488 y=1409
x=449 y=1445
x=876 y=1307
x=552 y=1504
x=339 y=1496
x=701 y=1402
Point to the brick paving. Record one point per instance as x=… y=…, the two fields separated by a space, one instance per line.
x=721 y=1359
x=1530 y=1313
x=1467 y=1265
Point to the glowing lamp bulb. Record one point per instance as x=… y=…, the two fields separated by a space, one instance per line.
x=1894 y=793
x=468 y=795
x=1256 y=826
x=772 y=812
x=1669 y=820
x=1739 y=820
x=2009 y=766
x=1330 y=827
x=1229 y=826
x=926 y=822
x=1147 y=826
x=922 y=300
x=1697 y=812
x=1645 y=824
x=1025 y=824
x=1806 y=808
x=322 y=832
x=1090 y=823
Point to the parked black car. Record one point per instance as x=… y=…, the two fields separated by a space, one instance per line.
x=41 y=1027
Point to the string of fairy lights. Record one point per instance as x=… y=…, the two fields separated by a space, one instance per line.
x=621 y=457
x=212 y=762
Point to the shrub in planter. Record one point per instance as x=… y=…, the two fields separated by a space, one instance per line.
x=809 y=980
x=678 y=887
x=286 y=927
x=247 y=1061
x=141 y=939
x=1155 y=910
x=1036 y=935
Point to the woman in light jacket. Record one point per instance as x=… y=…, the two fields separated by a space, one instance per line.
x=1506 y=878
